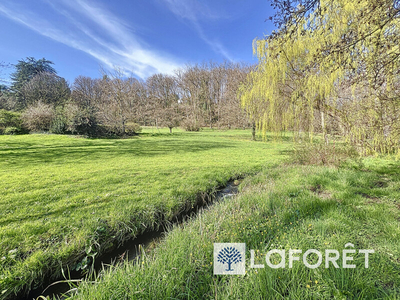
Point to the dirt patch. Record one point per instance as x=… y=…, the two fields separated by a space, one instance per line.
x=323 y=194
x=316 y=189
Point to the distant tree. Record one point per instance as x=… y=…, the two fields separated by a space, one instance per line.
x=46 y=87
x=162 y=92
x=229 y=109
x=86 y=92
x=82 y=111
x=171 y=116
x=120 y=100
x=208 y=95
x=199 y=87
x=25 y=70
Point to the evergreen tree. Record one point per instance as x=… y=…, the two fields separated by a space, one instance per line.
x=25 y=70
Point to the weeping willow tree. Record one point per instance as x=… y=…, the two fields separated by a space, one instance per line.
x=339 y=62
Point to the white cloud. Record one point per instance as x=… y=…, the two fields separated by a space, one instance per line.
x=194 y=11
x=122 y=48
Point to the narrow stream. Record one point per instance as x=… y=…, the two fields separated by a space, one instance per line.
x=130 y=249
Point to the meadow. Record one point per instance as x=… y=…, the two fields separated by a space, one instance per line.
x=64 y=200
x=284 y=207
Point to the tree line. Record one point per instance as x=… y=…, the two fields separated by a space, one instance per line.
x=196 y=96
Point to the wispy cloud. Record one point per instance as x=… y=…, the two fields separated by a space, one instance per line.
x=191 y=10
x=195 y=11
x=121 y=48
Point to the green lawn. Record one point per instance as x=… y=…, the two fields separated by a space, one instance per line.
x=63 y=197
x=283 y=207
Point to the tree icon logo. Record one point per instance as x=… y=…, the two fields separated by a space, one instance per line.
x=229 y=258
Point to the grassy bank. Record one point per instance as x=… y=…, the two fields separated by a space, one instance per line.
x=285 y=207
x=64 y=198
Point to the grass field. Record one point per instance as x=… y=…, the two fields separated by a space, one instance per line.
x=65 y=198
x=284 y=207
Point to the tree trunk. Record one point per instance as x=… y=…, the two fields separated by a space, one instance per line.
x=323 y=125
x=253 y=131
x=123 y=127
x=210 y=117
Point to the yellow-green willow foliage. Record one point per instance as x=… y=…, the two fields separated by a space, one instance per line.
x=340 y=63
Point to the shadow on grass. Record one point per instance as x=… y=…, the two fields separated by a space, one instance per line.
x=75 y=150
x=391 y=169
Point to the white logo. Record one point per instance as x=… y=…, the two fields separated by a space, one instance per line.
x=230 y=258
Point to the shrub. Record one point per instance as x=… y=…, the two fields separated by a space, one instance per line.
x=11 y=122
x=190 y=125
x=58 y=125
x=12 y=130
x=10 y=119
x=81 y=121
x=39 y=117
x=321 y=154
x=132 y=129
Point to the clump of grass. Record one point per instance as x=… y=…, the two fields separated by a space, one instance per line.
x=285 y=207
x=332 y=154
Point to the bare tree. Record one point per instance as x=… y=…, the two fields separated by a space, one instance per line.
x=164 y=100
x=230 y=111
x=86 y=92
x=119 y=101
x=46 y=87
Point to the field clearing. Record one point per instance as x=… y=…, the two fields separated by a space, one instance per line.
x=64 y=197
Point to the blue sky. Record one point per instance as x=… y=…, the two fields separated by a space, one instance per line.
x=143 y=37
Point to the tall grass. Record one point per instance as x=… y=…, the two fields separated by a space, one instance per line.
x=285 y=207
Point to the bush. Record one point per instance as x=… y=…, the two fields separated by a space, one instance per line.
x=58 y=125
x=10 y=119
x=11 y=122
x=12 y=130
x=81 y=121
x=39 y=117
x=321 y=154
x=132 y=129
x=190 y=125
